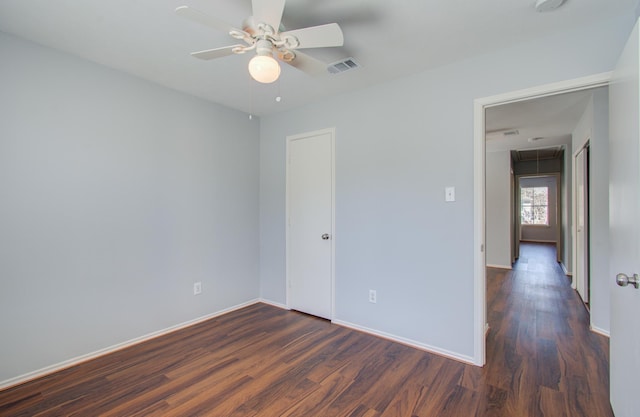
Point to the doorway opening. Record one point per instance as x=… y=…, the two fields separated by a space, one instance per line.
x=482 y=168
x=538 y=209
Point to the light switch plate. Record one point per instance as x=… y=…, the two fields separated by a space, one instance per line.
x=450 y=194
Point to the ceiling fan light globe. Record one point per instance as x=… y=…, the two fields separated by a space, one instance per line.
x=264 y=69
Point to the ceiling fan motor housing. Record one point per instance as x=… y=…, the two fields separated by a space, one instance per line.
x=264 y=47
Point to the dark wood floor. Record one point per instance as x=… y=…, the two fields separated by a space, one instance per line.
x=262 y=361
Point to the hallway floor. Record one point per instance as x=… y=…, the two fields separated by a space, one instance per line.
x=540 y=343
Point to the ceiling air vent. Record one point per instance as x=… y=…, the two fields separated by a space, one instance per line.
x=343 y=66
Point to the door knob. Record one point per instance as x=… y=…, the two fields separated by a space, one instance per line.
x=325 y=236
x=623 y=280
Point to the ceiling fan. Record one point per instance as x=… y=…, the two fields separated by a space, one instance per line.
x=264 y=33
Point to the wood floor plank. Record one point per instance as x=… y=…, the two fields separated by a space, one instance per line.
x=552 y=403
x=436 y=400
x=319 y=400
x=542 y=361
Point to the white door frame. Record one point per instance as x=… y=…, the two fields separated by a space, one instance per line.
x=479 y=261
x=574 y=209
x=332 y=133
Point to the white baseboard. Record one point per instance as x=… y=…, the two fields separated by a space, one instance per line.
x=274 y=304
x=101 y=352
x=499 y=266
x=599 y=331
x=565 y=270
x=431 y=349
x=393 y=338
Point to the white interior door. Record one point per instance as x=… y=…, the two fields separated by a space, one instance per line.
x=310 y=222
x=582 y=226
x=624 y=215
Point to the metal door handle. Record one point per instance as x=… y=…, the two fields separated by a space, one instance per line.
x=623 y=280
x=325 y=236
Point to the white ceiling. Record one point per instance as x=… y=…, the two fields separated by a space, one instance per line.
x=390 y=39
x=550 y=120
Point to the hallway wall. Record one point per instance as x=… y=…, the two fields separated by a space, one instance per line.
x=498 y=209
x=594 y=127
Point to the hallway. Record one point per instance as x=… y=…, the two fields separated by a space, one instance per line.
x=539 y=342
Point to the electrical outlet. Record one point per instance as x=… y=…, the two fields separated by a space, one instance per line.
x=197 y=288
x=373 y=297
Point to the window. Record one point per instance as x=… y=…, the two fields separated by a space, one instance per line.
x=534 y=206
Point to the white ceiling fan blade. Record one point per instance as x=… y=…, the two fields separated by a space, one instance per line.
x=268 y=11
x=204 y=19
x=215 y=53
x=317 y=36
x=308 y=64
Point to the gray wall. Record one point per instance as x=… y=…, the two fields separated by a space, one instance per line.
x=117 y=195
x=498 y=209
x=397 y=146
